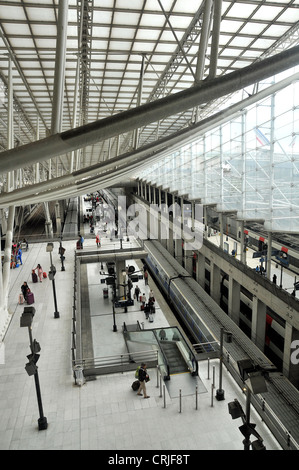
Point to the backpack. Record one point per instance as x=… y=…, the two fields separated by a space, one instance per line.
x=137 y=372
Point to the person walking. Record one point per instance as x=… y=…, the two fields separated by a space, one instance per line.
x=146 y=278
x=98 y=241
x=80 y=242
x=19 y=256
x=137 y=293
x=39 y=272
x=151 y=296
x=143 y=377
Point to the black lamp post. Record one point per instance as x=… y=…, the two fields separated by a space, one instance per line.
x=220 y=391
x=52 y=273
x=31 y=367
x=248 y=428
x=255 y=383
x=61 y=252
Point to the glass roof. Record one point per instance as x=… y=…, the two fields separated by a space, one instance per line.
x=107 y=44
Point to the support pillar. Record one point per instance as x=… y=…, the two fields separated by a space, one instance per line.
x=5 y=271
x=169 y=242
x=242 y=241
x=121 y=278
x=221 y=230
x=234 y=299
x=269 y=251
x=258 y=323
x=58 y=218
x=200 y=269
x=215 y=279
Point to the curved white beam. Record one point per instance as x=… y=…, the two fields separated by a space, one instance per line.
x=97 y=131
x=115 y=169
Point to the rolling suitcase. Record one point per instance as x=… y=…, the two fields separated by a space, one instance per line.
x=21 y=299
x=150 y=318
x=34 y=277
x=30 y=298
x=135 y=385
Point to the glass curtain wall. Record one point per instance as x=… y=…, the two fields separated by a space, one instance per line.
x=249 y=164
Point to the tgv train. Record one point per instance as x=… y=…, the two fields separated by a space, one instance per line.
x=204 y=320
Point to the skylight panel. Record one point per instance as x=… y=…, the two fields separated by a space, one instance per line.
x=290 y=15
x=253 y=29
x=15 y=12
x=152 y=20
x=241 y=12
x=122 y=33
x=40 y=14
x=186 y=7
x=126 y=18
x=149 y=34
x=134 y=4
x=120 y=45
x=102 y=17
x=230 y=26
x=266 y=12
x=22 y=43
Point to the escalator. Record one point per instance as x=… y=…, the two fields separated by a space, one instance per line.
x=175 y=356
x=175 y=360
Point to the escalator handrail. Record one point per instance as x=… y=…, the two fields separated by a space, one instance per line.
x=162 y=353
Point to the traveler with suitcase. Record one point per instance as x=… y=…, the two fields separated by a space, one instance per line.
x=25 y=290
x=39 y=272
x=34 y=276
x=143 y=378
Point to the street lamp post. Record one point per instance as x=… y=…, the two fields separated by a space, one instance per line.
x=31 y=367
x=52 y=273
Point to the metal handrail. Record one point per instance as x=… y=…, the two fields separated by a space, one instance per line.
x=118 y=359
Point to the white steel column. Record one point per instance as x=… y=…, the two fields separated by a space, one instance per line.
x=204 y=36
x=58 y=92
x=5 y=271
x=139 y=97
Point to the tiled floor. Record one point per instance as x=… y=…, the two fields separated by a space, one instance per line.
x=105 y=413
